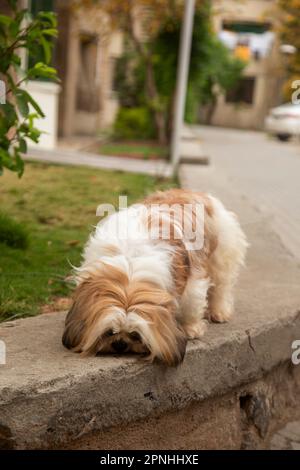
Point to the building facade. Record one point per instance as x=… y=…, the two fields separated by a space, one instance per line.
x=85 y=57
x=86 y=51
x=247 y=28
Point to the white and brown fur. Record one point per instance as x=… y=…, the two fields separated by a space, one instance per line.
x=149 y=296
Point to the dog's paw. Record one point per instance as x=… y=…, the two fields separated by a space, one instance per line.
x=221 y=316
x=196 y=329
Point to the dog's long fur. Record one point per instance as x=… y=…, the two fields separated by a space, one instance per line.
x=149 y=295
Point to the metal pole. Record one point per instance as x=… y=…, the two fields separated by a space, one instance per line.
x=182 y=78
x=24 y=4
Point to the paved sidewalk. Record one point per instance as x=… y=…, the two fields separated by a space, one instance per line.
x=159 y=168
x=265 y=171
x=190 y=149
x=268 y=179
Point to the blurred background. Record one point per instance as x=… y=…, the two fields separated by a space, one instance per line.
x=109 y=122
x=117 y=64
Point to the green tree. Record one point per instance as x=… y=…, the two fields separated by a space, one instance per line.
x=141 y=22
x=213 y=69
x=288 y=20
x=20 y=33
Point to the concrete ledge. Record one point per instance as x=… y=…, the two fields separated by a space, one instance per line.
x=195 y=160
x=50 y=397
x=191 y=149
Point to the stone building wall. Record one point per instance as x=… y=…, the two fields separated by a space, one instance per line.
x=85 y=58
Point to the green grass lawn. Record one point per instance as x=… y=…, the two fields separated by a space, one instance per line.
x=57 y=205
x=143 y=150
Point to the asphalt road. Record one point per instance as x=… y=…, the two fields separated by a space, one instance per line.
x=265 y=171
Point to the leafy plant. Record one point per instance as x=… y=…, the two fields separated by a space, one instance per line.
x=213 y=69
x=21 y=34
x=125 y=15
x=134 y=123
x=287 y=20
x=12 y=233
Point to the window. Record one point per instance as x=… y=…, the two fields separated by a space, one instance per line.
x=87 y=80
x=113 y=74
x=246 y=27
x=243 y=92
x=248 y=39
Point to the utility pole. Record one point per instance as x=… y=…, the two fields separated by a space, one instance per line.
x=182 y=78
x=24 y=4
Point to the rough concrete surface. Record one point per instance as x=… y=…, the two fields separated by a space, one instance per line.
x=287 y=438
x=50 y=397
x=245 y=418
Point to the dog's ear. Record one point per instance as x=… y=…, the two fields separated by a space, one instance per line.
x=172 y=347
x=81 y=319
x=181 y=348
x=177 y=352
x=74 y=328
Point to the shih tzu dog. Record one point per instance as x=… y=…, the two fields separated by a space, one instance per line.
x=153 y=274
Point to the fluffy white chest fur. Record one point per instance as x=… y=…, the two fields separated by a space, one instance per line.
x=153 y=274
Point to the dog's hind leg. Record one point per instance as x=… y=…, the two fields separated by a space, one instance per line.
x=225 y=263
x=194 y=306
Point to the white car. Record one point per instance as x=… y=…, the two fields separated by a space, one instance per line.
x=284 y=121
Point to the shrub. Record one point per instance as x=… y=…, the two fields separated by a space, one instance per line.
x=134 y=123
x=12 y=233
x=20 y=32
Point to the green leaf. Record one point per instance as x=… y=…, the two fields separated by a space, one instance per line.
x=51 y=32
x=6 y=20
x=19 y=163
x=14 y=29
x=33 y=103
x=48 y=16
x=30 y=121
x=41 y=70
x=34 y=134
x=7 y=160
x=46 y=45
x=10 y=114
x=22 y=105
x=23 y=146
